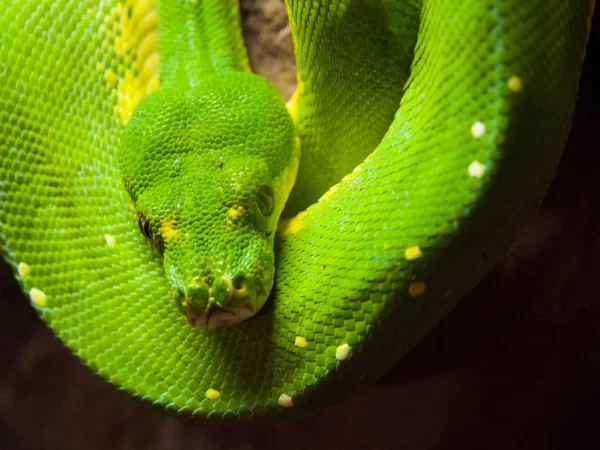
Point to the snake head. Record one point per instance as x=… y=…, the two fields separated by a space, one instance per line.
x=209 y=169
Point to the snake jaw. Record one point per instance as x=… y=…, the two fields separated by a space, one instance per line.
x=220 y=303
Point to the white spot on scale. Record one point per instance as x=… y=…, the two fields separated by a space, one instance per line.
x=38 y=297
x=478 y=130
x=416 y=288
x=24 y=269
x=342 y=352
x=476 y=169
x=110 y=240
x=515 y=84
x=285 y=401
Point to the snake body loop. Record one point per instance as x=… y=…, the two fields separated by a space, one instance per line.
x=428 y=133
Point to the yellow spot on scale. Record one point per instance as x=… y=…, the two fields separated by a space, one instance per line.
x=38 y=297
x=478 y=130
x=476 y=169
x=213 y=394
x=110 y=76
x=293 y=225
x=110 y=240
x=515 y=84
x=100 y=67
x=416 y=288
x=413 y=253
x=235 y=212
x=342 y=352
x=166 y=228
x=285 y=401
x=24 y=269
x=300 y=341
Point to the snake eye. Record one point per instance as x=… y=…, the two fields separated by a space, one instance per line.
x=144 y=225
x=265 y=200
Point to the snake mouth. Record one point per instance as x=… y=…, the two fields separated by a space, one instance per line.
x=218 y=317
x=221 y=302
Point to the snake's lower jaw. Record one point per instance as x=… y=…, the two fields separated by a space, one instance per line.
x=218 y=317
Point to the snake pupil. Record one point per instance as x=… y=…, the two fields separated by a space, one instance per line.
x=265 y=200
x=144 y=225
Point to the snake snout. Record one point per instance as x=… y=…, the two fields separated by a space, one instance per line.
x=222 y=302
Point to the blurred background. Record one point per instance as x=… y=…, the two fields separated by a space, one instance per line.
x=516 y=365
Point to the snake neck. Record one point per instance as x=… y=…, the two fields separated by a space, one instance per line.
x=199 y=38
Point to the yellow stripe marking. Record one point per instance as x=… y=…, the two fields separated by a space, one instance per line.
x=293 y=225
x=292 y=104
x=136 y=41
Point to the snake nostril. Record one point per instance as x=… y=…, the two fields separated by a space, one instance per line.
x=243 y=290
x=239 y=282
x=243 y=286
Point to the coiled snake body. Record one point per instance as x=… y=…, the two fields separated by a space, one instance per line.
x=427 y=133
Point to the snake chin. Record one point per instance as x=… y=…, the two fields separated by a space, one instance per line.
x=212 y=318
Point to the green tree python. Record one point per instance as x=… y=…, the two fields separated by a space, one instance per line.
x=144 y=173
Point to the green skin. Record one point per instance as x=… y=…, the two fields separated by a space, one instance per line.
x=454 y=114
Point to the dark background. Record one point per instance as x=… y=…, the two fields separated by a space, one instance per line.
x=516 y=365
